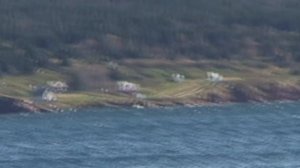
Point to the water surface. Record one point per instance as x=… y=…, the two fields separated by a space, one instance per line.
x=243 y=135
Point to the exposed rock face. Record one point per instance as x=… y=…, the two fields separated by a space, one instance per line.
x=265 y=92
x=8 y=105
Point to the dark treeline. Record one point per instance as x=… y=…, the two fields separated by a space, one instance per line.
x=34 y=31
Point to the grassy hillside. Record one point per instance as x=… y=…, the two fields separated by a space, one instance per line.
x=32 y=32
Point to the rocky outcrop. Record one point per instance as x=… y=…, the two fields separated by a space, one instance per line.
x=8 y=105
x=11 y=105
x=265 y=92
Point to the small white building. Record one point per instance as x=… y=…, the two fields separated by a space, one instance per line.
x=58 y=86
x=124 y=86
x=140 y=96
x=49 y=96
x=113 y=65
x=214 y=77
x=178 y=78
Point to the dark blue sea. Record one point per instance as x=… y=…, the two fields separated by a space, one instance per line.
x=227 y=136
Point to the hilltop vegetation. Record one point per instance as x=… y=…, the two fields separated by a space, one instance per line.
x=33 y=32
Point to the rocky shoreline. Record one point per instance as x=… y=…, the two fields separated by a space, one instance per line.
x=236 y=94
x=13 y=105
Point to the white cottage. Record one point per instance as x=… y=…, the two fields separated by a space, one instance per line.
x=113 y=65
x=124 y=86
x=178 y=78
x=49 y=96
x=58 y=86
x=214 y=77
x=140 y=96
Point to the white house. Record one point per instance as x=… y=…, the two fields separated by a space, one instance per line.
x=58 y=86
x=113 y=65
x=140 y=96
x=124 y=86
x=178 y=78
x=214 y=77
x=49 y=96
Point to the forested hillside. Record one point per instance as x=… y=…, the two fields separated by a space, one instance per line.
x=33 y=31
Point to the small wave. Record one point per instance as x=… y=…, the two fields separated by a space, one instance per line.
x=296 y=116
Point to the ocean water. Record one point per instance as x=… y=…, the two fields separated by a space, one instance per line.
x=229 y=136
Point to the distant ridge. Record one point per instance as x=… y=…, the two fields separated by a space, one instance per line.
x=33 y=32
